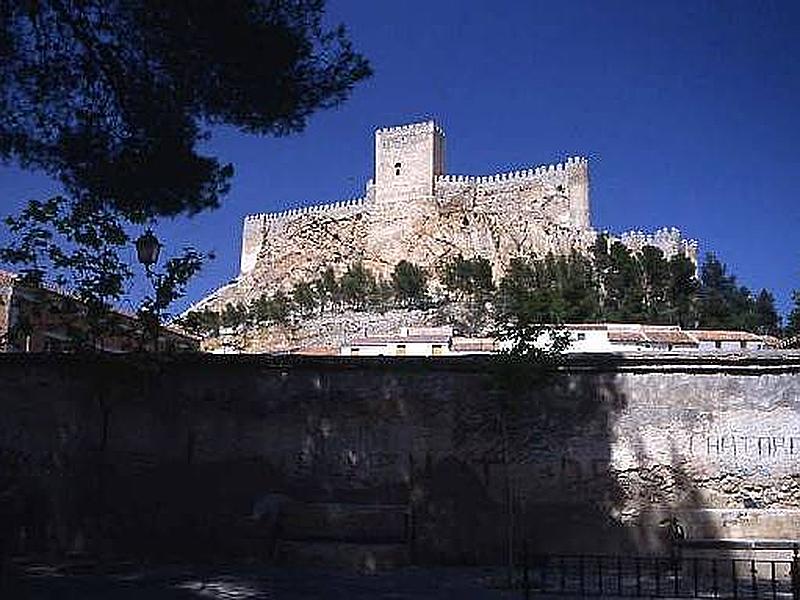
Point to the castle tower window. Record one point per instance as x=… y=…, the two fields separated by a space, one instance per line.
x=397 y=168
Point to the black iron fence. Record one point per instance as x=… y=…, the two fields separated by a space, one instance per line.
x=662 y=577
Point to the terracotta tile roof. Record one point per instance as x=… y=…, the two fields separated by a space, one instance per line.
x=707 y=335
x=627 y=336
x=671 y=335
x=587 y=326
x=381 y=340
x=473 y=344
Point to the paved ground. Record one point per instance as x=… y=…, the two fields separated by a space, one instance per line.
x=250 y=583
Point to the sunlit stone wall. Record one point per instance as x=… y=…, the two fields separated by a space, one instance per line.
x=131 y=454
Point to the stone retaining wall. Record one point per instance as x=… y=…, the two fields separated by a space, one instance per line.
x=189 y=454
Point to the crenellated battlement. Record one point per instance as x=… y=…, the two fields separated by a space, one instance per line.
x=255 y=225
x=307 y=210
x=668 y=239
x=572 y=163
x=429 y=126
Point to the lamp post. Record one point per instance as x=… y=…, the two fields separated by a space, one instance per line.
x=147 y=250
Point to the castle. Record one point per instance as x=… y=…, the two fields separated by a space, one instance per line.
x=412 y=210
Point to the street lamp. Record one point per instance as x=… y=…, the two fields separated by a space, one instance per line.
x=147 y=250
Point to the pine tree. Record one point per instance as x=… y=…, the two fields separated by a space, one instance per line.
x=655 y=284
x=409 y=283
x=468 y=277
x=357 y=285
x=766 y=316
x=624 y=289
x=793 y=321
x=303 y=298
x=682 y=292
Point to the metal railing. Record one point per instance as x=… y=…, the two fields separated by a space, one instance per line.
x=662 y=577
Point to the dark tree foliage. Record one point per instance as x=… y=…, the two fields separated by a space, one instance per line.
x=80 y=246
x=655 y=281
x=111 y=97
x=619 y=285
x=625 y=292
x=327 y=289
x=303 y=298
x=383 y=296
x=552 y=290
x=723 y=304
x=202 y=323
x=409 y=284
x=468 y=277
x=682 y=292
x=76 y=243
x=767 y=321
x=267 y=309
x=793 y=321
x=357 y=286
x=536 y=296
x=233 y=315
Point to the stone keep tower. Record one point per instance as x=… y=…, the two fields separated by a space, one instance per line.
x=408 y=159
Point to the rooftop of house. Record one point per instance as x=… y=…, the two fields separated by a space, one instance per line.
x=617 y=333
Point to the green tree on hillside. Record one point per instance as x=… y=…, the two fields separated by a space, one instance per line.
x=357 y=286
x=202 y=323
x=468 y=277
x=267 y=309
x=723 y=304
x=682 y=292
x=233 y=315
x=551 y=290
x=623 y=285
x=327 y=290
x=655 y=278
x=793 y=320
x=303 y=298
x=409 y=284
x=767 y=321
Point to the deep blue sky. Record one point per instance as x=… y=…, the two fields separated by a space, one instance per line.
x=689 y=113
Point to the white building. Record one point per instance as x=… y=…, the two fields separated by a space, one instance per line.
x=418 y=341
x=729 y=340
x=584 y=338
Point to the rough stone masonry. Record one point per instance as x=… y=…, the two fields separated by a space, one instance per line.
x=187 y=454
x=412 y=210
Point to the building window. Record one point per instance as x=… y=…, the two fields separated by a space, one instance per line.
x=354 y=351
x=718 y=344
x=397 y=166
x=437 y=349
x=742 y=344
x=581 y=337
x=401 y=350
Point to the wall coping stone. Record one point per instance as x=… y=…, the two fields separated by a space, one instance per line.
x=742 y=363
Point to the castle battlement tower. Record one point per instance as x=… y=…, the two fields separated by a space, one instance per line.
x=408 y=159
